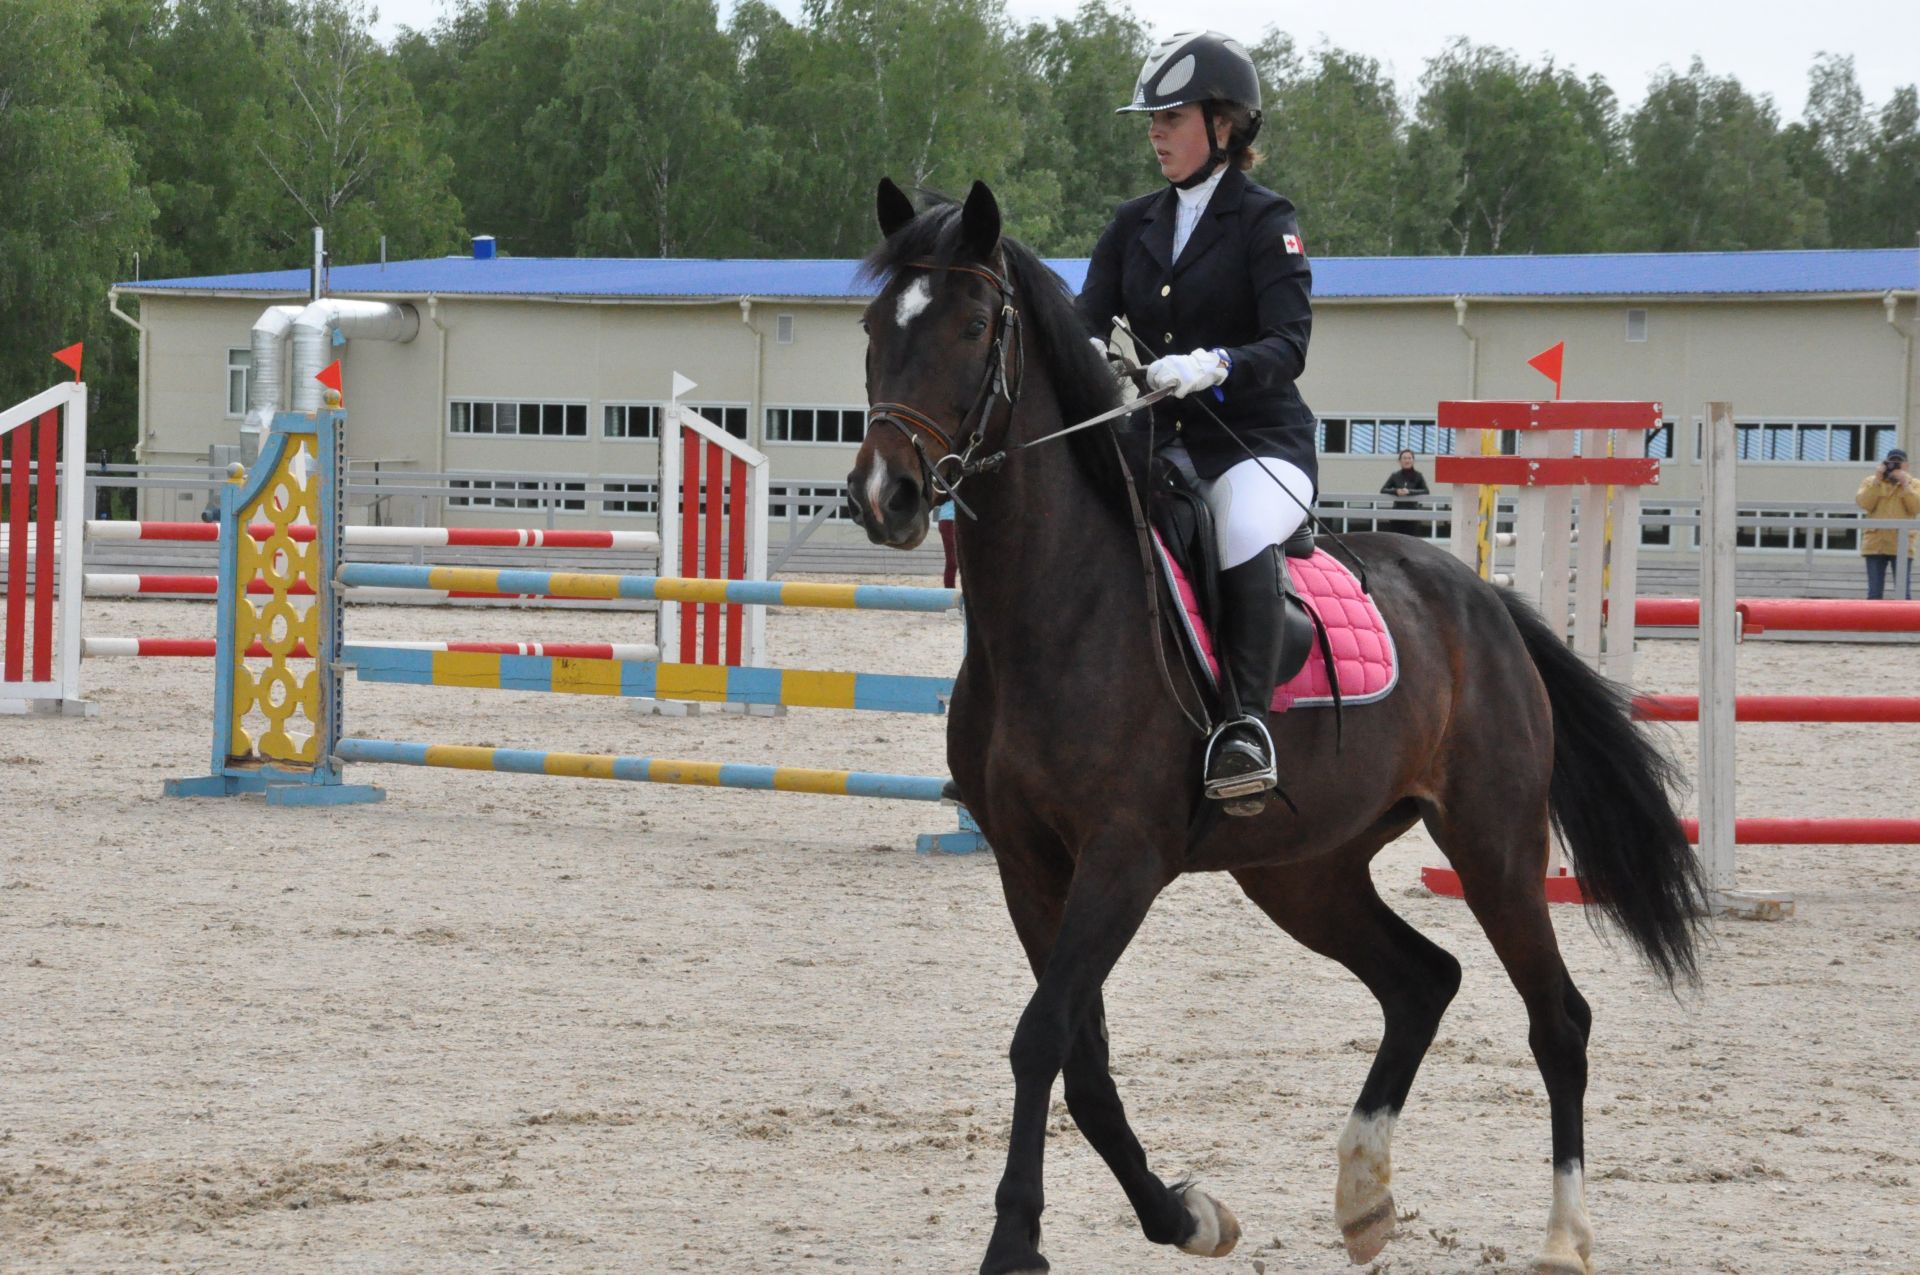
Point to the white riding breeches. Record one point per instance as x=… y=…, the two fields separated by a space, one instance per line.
x=1250 y=509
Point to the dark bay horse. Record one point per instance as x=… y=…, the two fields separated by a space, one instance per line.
x=1070 y=749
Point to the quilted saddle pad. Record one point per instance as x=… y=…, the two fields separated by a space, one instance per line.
x=1363 y=653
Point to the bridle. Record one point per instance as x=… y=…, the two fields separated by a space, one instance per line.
x=943 y=473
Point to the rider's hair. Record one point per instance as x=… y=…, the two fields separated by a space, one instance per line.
x=1239 y=119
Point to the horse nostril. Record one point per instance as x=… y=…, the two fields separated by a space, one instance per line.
x=903 y=497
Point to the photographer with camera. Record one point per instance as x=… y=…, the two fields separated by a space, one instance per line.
x=1889 y=492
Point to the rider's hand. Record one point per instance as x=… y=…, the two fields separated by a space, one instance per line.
x=1185 y=373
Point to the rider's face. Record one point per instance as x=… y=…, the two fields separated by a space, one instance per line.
x=1178 y=136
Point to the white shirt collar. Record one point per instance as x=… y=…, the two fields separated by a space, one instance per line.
x=1197 y=197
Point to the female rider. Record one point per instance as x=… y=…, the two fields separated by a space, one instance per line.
x=1210 y=272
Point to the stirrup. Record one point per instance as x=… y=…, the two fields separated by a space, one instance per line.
x=1232 y=787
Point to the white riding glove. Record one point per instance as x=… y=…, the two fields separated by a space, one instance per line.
x=1185 y=373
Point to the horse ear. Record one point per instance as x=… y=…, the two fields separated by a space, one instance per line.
x=894 y=208
x=980 y=222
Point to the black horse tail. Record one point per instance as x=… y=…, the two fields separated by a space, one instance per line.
x=1611 y=802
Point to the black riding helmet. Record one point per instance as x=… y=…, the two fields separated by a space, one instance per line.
x=1203 y=67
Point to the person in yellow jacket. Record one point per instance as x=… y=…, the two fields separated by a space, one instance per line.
x=1888 y=492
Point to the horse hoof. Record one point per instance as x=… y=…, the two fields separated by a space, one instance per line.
x=1216 y=1230
x=1556 y=1265
x=1367 y=1234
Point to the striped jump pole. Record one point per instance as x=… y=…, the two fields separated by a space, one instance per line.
x=205 y=648
x=553 y=672
x=1785 y=708
x=577 y=584
x=124 y=532
x=147 y=585
x=645 y=770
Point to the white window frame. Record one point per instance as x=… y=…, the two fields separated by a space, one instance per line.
x=655 y=408
x=538 y=493
x=246 y=380
x=766 y=423
x=471 y=400
x=1642 y=315
x=1761 y=420
x=1398 y=419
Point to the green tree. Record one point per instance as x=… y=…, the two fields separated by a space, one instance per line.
x=648 y=122
x=73 y=215
x=1888 y=210
x=1335 y=137
x=483 y=76
x=1709 y=170
x=333 y=138
x=1527 y=146
x=1080 y=69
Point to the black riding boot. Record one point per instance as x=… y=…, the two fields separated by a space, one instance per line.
x=1240 y=761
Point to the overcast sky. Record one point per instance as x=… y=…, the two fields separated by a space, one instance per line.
x=1767 y=44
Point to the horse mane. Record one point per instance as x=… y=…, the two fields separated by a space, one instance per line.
x=1081 y=379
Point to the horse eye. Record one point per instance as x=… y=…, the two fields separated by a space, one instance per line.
x=975 y=328
x=865 y=328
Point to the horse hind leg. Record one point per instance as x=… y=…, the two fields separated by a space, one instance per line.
x=1504 y=880
x=1331 y=907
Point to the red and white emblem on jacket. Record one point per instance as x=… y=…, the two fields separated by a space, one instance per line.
x=1293 y=245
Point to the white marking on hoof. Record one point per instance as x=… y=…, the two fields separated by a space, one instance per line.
x=1362 y=1204
x=1569 y=1248
x=1216 y=1229
x=914 y=298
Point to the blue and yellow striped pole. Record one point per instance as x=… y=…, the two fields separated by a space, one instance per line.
x=579 y=584
x=645 y=770
x=646 y=679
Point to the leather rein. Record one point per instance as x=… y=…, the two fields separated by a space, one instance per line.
x=965 y=461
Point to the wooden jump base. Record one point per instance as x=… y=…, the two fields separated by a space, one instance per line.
x=1562 y=886
x=646 y=770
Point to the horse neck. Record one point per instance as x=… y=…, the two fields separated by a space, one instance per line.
x=1048 y=559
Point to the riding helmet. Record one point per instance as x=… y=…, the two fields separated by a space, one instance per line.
x=1197 y=66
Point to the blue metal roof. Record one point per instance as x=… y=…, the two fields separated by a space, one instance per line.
x=1601 y=274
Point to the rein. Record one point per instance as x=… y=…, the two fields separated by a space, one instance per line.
x=917 y=425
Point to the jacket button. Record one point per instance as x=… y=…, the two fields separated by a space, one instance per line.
x=1167 y=337
x=1166 y=289
x=1178 y=426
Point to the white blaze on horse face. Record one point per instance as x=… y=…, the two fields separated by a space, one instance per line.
x=914 y=298
x=877 y=489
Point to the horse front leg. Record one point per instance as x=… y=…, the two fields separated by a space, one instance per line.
x=1181 y=1214
x=1105 y=904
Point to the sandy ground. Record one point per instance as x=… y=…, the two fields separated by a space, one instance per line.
x=516 y=1024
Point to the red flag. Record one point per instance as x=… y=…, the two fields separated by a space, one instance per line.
x=329 y=375
x=1548 y=363
x=71 y=357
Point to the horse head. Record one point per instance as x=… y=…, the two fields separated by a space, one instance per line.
x=940 y=336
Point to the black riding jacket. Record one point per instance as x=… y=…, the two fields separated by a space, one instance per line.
x=1243 y=284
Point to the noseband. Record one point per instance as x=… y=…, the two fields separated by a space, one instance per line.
x=918 y=426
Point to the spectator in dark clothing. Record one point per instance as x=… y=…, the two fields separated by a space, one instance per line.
x=1405 y=481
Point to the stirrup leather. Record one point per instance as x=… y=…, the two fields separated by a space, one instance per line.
x=1231 y=787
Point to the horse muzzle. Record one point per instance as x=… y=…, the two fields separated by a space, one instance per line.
x=890 y=506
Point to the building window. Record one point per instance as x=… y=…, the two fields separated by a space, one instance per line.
x=1384 y=436
x=507 y=493
x=642 y=420
x=801 y=501
x=517 y=418
x=1636 y=325
x=1809 y=442
x=783 y=329
x=816 y=424
x=731 y=417
x=239 y=381
x=630 y=498
x=631 y=420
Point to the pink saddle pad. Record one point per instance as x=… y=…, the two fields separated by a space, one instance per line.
x=1363 y=653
